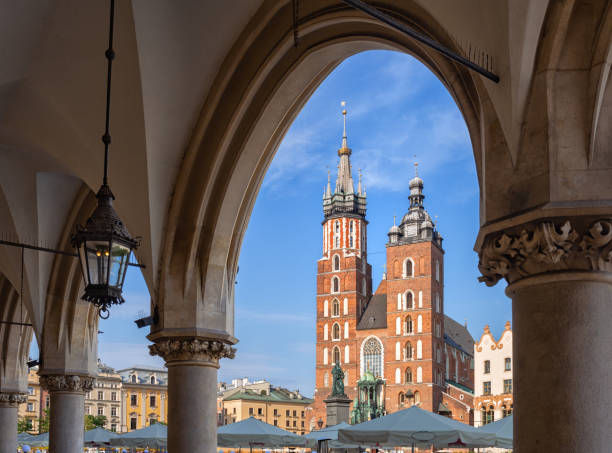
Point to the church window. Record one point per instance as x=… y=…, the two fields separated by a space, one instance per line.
x=437 y=270
x=152 y=379
x=325 y=308
x=345 y=306
x=408 y=268
x=419 y=377
x=346 y=357
x=420 y=299
x=408 y=376
x=346 y=329
x=325 y=333
x=398 y=326
x=351 y=233
x=419 y=350
x=336 y=331
x=408 y=325
x=325 y=359
x=335 y=284
x=419 y=323
x=417 y=397
x=398 y=376
x=399 y=301
x=337 y=242
x=401 y=399
x=437 y=303
x=408 y=300
x=372 y=357
x=336 y=234
x=133 y=379
x=336 y=355
x=398 y=350
x=408 y=351
x=336 y=263
x=335 y=307
x=325 y=380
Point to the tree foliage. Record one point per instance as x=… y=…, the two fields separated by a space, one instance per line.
x=43 y=422
x=97 y=421
x=24 y=425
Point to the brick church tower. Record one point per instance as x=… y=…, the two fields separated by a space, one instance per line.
x=344 y=279
x=396 y=347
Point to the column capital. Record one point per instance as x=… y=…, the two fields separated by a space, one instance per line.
x=12 y=399
x=69 y=383
x=545 y=246
x=199 y=351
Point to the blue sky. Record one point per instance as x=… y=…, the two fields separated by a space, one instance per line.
x=397 y=109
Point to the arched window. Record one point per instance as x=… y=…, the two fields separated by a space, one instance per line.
x=337 y=234
x=133 y=379
x=326 y=308
x=437 y=303
x=419 y=352
x=345 y=306
x=325 y=358
x=336 y=263
x=408 y=268
x=417 y=397
x=351 y=234
x=409 y=305
x=399 y=301
x=398 y=326
x=407 y=325
x=325 y=332
x=437 y=270
x=419 y=323
x=401 y=399
x=420 y=299
x=398 y=376
x=325 y=380
x=152 y=379
x=408 y=375
x=346 y=357
x=398 y=349
x=335 y=307
x=408 y=351
x=346 y=329
x=372 y=357
x=336 y=355
x=336 y=331
x=335 y=284
x=490 y=415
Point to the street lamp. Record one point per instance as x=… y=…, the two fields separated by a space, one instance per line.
x=104 y=245
x=320 y=423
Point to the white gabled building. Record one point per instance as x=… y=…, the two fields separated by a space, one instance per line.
x=493 y=376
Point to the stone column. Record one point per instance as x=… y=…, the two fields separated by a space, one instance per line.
x=560 y=280
x=192 y=390
x=67 y=411
x=9 y=404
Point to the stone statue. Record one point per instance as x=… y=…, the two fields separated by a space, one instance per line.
x=338 y=381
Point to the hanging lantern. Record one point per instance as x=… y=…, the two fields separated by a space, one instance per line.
x=104 y=247
x=104 y=244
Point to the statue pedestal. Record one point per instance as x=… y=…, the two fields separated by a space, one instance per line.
x=338 y=409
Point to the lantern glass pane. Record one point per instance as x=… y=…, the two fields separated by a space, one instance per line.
x=119 y=259
x=97 y=258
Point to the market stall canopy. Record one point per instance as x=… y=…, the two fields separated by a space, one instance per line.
x=415 y=426
x=42 y=440
x=154 y=436
x=502 y=430
x=98 y=437
x=252 y=432
x=329 y=434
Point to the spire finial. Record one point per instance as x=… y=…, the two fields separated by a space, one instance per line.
x=416 y=169
x=344 y=145
x=393 y=219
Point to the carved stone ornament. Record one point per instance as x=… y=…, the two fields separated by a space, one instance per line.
x=12 y=399
x=546 y=247
x=192 y=349
x=67 y=382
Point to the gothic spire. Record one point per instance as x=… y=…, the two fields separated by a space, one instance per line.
x=344 y=183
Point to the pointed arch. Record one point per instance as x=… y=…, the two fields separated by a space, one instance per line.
x=336 y=332
x=408 y=268
x=336 y=357
x=335 y=284
x=335 y=308
x=408 y=375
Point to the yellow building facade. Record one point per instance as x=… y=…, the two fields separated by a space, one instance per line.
x=280 y=407
x=37 y=401
x=144 y=397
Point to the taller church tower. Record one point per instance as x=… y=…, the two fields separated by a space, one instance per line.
x=344 y=279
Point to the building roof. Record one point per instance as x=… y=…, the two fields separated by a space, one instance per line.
x=465 y=388
x=458 y=336
x=375 y=315
x=276 y=395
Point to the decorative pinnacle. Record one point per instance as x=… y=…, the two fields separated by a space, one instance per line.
x=393 y=219
x=344 y=148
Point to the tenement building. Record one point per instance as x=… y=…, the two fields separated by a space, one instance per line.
x=395 y=345
x=276 y=406
x=144 y=397
x=105 y=397
x=493 y=376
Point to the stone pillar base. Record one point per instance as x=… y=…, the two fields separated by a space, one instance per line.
x=338 y=410
x=9 y=404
